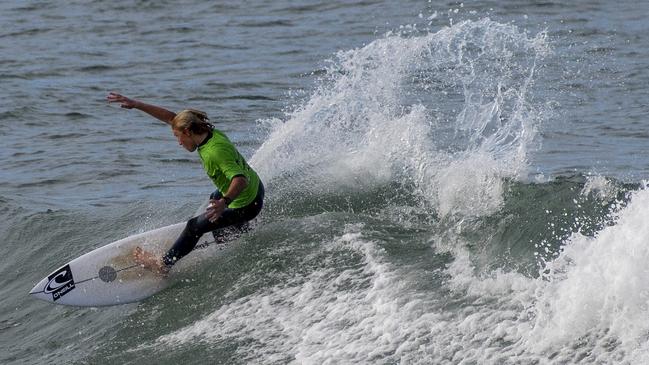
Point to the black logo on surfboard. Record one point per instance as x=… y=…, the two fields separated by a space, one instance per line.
x=60 y=283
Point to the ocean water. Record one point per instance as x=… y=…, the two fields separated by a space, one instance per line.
x=447 y=182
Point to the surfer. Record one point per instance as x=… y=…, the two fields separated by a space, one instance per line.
x=240 y=193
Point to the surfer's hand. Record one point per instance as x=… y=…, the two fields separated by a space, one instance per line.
x=215 y=209
x=125 y=102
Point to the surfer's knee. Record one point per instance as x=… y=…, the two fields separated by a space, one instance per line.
x=193 y=226
x=185 y=242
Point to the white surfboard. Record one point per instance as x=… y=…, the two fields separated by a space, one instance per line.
x=109 y=275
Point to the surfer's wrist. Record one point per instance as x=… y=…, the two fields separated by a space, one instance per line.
x=227 y=200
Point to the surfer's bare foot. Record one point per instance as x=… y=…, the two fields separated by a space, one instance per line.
x=150 y=261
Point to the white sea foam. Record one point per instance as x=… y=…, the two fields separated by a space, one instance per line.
x=448 y=112
x=357 y=315
x=599 y=186
x=590 y=306
x=364 y=314
x=598 y=288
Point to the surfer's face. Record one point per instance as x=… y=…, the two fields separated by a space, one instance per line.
x=185 y=139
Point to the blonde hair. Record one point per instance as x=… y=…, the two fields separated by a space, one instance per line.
x=192 y=120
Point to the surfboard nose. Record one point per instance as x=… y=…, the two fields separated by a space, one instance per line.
x=38 y=288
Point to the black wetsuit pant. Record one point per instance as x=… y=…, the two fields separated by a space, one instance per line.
x=230 y=224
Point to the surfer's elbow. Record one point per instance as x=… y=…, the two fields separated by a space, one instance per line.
x=240 y=181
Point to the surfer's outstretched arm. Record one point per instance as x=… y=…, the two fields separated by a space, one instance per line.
x=154 y=111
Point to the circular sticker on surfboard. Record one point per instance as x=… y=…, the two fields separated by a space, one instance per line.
x=107 y=274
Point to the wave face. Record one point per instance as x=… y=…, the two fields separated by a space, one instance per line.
x=540 y=280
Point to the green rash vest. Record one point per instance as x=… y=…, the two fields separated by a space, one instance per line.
x=223 y=162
